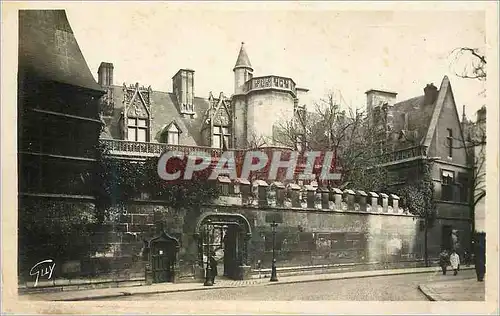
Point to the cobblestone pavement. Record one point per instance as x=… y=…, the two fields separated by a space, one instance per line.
x=380 y=288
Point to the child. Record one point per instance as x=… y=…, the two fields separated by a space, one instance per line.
x=454 y=262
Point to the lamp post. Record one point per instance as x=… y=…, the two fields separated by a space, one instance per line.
x=208 y=274
x=274 y=277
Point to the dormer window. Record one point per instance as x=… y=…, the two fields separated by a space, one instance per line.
x=170 y=134
x=137 y=129
x=173 y=135
x=221 y=137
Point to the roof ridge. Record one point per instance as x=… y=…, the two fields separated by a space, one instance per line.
x=438 y=106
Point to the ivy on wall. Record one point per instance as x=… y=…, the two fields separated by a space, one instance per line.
x=117 y=181
x=418 y=194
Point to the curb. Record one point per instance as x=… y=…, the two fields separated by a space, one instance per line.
x=357 y=277
x=102 y=297
x=426 y=291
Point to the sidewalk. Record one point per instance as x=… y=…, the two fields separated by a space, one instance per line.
x=454 y=290
x=220 y=284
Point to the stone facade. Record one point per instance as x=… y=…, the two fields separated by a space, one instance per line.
x=324 y=228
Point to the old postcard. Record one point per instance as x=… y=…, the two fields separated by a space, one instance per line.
x=225 y=157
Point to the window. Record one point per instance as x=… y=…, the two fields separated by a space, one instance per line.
x=221 y=137
x=137 y=129
x=464 y=186
x=447 y=182
x=173 y=135
x=449 y=142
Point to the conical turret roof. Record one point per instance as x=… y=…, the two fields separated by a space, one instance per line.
x=243 y=60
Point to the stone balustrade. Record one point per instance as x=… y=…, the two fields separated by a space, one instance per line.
x=293 y=196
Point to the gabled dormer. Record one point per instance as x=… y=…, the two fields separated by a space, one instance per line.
x=170 y=134
x=136 y=116
x=218 y=129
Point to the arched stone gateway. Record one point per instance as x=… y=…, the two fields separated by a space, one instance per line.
x=225 y=236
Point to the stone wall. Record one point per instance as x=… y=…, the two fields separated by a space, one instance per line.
x=315 y=227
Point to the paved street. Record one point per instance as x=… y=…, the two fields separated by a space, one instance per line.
x=388 y=288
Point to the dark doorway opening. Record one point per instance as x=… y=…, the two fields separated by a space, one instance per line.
x=163 y=258
x=446 y=241
x=225 y=237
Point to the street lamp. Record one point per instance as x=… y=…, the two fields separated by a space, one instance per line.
x=274 y=277
x=208 y=274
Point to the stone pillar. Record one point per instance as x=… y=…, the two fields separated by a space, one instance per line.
x=384 y=202
x=337 y=193
x=293 y=191
x=374 y=201
x=361 y=196
x=349 y=199
x=177 y=268
x=311 y=196
x=262 y=187
x=395 y=204
x=325 y=198
x=244 y=270
x=280 y=193
x=245 y=190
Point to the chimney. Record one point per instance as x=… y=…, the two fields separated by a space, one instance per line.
x=481 y=115
x=430 y=94
x=105 y=74
x=183 y=86
x=375 y=100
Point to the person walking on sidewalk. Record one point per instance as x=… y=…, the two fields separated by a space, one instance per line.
x=444 y=260
x=454 y=261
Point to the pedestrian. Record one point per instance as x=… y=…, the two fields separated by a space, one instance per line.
x=466 y=258
x=480 y=258
x=443 y=260
x=454 y=261
x=213 y=268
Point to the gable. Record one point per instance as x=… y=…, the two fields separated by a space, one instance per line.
x=221 y=115
x=448 y=119
x=137 y=106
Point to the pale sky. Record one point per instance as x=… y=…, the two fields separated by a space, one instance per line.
x=328 y=50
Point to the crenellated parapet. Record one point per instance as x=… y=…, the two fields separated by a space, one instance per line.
x=261 y=194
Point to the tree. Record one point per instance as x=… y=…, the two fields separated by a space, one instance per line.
x=470 y=61
x=475 y=146
x=347 y=133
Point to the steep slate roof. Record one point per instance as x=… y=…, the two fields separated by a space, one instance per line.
x=421 y=117
x=164 y=110
x=48 y=49
x=243 y=60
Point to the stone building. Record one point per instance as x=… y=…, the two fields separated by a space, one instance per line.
x=317 y=227
x=428 y=127
x=139 y=114
x=58 y=128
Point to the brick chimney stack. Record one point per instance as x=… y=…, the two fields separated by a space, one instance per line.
x=430 y=94
x=105 y=74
